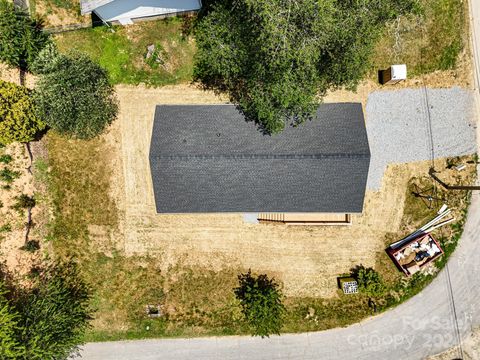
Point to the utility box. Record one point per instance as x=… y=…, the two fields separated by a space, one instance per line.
x=394 y=74
x=349 y=285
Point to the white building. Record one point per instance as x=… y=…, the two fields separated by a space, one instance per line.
x=128 y=11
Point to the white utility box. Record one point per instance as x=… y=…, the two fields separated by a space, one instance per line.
x=394 y=74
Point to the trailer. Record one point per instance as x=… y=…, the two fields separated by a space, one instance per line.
x=415 y=253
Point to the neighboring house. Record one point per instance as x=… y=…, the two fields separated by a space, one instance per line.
x=208 y=159
x=128 y=11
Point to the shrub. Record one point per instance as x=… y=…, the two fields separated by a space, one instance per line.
x=31 y=246
x=261 y=301
x=8 y=176
x=18 y=120
x=21 y=37
x=369 y=281
x=6 y=159
x=24 y=202
x=73 y=94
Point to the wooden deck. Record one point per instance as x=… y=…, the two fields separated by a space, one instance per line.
x=306 y=218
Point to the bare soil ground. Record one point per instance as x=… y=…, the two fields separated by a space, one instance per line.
x=306 y=259
x=17 y=260
x=12 y=238
x=59 y=16
x=13 y=75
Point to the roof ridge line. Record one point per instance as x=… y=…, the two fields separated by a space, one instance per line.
x=261 y=156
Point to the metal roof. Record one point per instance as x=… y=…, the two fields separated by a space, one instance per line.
x=87 y=6
x=207 y=158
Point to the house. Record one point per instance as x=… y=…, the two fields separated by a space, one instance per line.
x=208 y=159
x=126 y=12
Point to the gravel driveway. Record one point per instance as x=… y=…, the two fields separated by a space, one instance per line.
x=398 y=127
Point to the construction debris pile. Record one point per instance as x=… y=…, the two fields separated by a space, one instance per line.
x=417 y=253
x=419 y=248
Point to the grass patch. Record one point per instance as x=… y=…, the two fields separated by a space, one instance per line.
x=79 y=189
x=123 y=51
x=50 y=7
x=5 y=228
x=425 y=43
x=416 y=214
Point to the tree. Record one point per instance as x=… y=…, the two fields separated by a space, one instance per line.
x=277 y=58
x=48 y=317
x=369 y=281
x=18 y=120
x=261 y=301
x=21 y=37
x=10 y=346
x=73 y=94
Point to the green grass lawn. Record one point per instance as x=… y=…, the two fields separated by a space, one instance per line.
x=425 y=43
x=122 y=51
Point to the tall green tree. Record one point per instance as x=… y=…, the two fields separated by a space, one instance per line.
x=261 y=301
x=73 y=94
x=277 y=58
x=21 y=37
x=18 y=119
x=10 y=345
x=48 y=318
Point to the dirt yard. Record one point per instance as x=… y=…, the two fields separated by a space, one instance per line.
x=55 y=15
x=12 y=222
x=306 y=259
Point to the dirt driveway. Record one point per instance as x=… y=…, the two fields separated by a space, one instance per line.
x=306 y=259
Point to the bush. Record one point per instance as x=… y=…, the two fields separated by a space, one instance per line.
x=369 y=281
x=6 y=159
x=31 y=246
x=8 y=176
x=21 y=37
x=24 y=202
x=261 y=301
x=18 y=120
x=73 y=94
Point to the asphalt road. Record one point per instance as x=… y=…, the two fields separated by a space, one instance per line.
x=429 y=323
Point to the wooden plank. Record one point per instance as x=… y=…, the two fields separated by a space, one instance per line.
x=306 y=218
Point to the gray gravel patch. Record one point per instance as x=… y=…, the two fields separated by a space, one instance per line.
x=399 y=132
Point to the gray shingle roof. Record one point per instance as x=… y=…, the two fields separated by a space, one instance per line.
x=206 y=158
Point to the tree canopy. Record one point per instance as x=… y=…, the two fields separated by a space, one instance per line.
x=369 y=281
x=47 y=319
x=18 y=119
x=10 y=346
x=277 y=58
x=21 y=37
x=73 y=94
x=261 y=301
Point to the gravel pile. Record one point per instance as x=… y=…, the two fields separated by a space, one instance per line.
x=399 y=131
